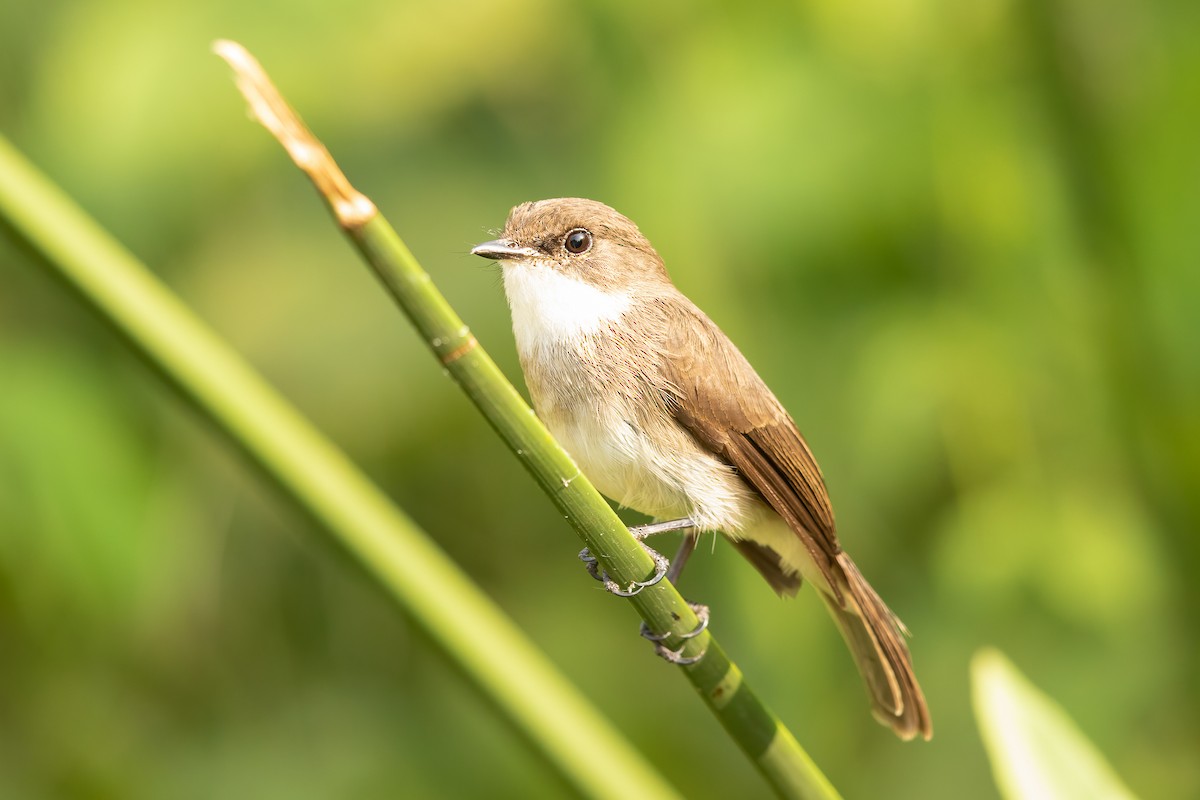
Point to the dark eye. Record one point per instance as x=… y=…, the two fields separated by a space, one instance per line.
x=578 y=241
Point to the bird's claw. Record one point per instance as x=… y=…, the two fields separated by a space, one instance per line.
x=676 y=656
x=590 y=563
x=661 y=564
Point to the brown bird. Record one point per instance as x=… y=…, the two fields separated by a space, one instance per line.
x=665 y=416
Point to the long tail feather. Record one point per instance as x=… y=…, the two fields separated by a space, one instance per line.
x=876 y=640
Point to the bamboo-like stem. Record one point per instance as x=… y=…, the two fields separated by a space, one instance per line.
x=759 y=733
x=486 y=645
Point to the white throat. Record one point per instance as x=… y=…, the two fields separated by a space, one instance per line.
x=550 y=309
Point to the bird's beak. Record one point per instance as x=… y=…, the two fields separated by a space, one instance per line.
x=502 y=248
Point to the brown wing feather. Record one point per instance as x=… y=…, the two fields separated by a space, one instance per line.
x=749 y=429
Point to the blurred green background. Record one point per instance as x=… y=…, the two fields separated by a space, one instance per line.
x=960 y=241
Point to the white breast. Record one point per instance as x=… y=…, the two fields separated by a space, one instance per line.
x=549 y=308
x=560 y=324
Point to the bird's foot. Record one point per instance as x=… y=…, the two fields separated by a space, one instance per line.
x=676 y=656
x=593 y=567
x=641 y=533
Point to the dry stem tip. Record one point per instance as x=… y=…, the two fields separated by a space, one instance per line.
x=351 y=208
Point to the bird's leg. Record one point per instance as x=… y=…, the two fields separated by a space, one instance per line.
x=668 y=569
x=686 y=548
x=641 y=533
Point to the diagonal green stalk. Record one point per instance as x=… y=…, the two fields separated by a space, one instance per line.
x=760 y=734
x=529 y=691
x=769 y=744
x=762 y=737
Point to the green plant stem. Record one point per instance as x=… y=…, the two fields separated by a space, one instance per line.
x=761 y=736
x=769 y=745
x=488 y=647
x=764 y=739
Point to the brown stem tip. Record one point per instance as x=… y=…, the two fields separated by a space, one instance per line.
x=351 y=208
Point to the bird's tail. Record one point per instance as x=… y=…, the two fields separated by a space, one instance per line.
x=876 y=640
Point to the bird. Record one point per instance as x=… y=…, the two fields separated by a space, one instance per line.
x=663 y=413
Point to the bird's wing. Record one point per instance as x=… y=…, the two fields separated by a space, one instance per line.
x=735 y=415
x=746 y=426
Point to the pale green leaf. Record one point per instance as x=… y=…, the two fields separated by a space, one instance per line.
x=1036 y=750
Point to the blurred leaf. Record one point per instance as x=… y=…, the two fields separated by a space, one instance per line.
x=1035 y=748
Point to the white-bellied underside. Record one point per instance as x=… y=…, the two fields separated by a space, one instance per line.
x=590 y=368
